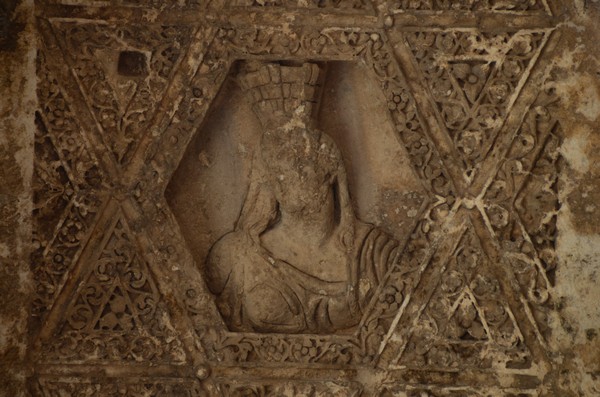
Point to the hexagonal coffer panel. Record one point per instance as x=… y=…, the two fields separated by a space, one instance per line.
x=295 y=197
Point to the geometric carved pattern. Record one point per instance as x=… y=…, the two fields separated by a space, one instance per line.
x=472 y=5
x=474 y=80
x=467 y=321
x=291 y=389
x=122 y=103
x=528 y=177
x=332 y=4
x=66 y=181
x=118 y=288
x=454 y=392
x=145 y=387
x=116 y=313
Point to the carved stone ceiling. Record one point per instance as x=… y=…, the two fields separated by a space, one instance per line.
x=450 y=106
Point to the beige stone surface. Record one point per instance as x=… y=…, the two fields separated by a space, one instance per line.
x=300 y=198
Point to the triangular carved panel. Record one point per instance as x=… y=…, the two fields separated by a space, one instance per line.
x=123 y=72
x=467 y=321
x=116 y=312
x=474 y=79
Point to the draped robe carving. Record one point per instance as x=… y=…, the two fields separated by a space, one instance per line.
x=298 y=261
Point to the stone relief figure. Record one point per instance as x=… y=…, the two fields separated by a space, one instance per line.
x=298 y=259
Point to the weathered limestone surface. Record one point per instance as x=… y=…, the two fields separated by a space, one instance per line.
x=300 y=198
x=577 y=281
x=17 y=107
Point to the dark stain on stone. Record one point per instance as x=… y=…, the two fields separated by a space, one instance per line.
x=9 y=28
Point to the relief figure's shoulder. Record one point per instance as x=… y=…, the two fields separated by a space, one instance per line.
x=224 y=256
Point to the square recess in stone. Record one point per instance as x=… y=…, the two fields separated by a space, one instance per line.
x=132 y=64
